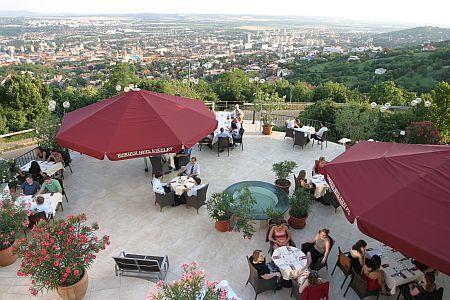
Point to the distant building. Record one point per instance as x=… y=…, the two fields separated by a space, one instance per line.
x=428 y=48
x=380 y=71
x=333 y=50
x=353 y=58
x=247 y=37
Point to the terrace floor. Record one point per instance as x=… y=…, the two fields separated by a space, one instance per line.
x=119 y=196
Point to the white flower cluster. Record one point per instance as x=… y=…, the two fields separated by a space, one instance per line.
x=220 y=213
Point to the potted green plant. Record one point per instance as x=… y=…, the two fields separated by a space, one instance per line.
x=12 y=218
x=9 y=173
x=268 y=103
x=282 y=170
x=273 y=214
x=300 y=204
x=242 y=211
x=57 y=254
x=220 y=207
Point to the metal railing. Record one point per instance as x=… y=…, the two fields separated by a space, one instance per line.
x=26 y=157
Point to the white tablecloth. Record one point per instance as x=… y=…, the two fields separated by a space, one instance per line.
x=290 y=260
x=52 y=200
x=178 y=184
x=223 y=119
x=47 y=167
x=398 y=269
x=308 y=130
x=321 y=185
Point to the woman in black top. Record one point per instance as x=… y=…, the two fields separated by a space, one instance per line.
x=41 y=154
x=35 y=171
x=357 y=255
x=259 y=262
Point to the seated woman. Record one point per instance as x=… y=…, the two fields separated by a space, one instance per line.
x=319 y=166
x=41 y=154
x=36 y=172
x=279 y=235
x=357 y=256
x=423 y=288
x=311 y=279
x=265 y=271
x=373 y=275
x=235 y=130
x=55 y=156
x=318 y=248
x=301 y=179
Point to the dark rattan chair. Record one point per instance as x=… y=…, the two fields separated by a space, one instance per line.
x=289 y=132
x=35 y=218
x=323 y=139
x=165 y=200
x=260 y=285
x=199 y=200
x=66 y=159
x=360 y=287
x=330 y=198
x=205 y=141
x=141 y=264
x=299 y=138
x=159 y=165
x=344 y=264
x=223 y=143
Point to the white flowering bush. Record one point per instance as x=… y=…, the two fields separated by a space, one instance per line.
x=220 y=206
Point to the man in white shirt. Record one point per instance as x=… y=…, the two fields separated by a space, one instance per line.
x=192 y=169
x=158 y=187
x=193 y=191
x=224 y=133
x=41 y=206
x=238 y=113
x=293 y=124
x=319 y=134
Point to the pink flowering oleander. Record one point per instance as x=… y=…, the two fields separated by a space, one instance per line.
x=193 y=283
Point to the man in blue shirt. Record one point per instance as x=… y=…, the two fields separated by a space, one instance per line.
x=30 y=187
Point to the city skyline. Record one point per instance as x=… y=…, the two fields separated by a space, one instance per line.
x=382 y=11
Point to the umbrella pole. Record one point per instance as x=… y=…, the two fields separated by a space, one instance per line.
x=146 y=165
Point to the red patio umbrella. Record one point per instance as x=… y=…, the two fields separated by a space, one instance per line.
x=399 y=194
x=136 y=124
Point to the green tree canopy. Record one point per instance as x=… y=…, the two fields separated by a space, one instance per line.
x=388 y=92
x=356 y=121
x=123 y=75
x=324 y=111
x=234 y=86
x=331 y=90
x=440 y=108
x=302 y=92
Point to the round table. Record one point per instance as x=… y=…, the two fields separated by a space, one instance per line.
x=178 y=184
x=321 y=185
x=290 y=260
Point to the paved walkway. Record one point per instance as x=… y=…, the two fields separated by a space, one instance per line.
x=118 y=195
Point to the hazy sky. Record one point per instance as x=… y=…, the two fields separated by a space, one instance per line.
x=429 y=12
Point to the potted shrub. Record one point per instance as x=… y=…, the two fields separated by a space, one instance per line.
x=274 y=215
x=270 y=103
x=57 y=255
x=242 y=211
x=219 y=207
x=192 y=285
x=282 y=170
x=300 y=204
x=12 y=218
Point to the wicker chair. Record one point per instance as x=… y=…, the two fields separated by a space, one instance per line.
x=330 y=198
x=182 y=160
x=141 y=265
x=299 y=138
x=205 y=141
x=199 y=200
x=165 y=200
x=344 y=263
x=289 y=132
x=223 y=143
x=260 y=285
x=360 y=287
x=159 y=165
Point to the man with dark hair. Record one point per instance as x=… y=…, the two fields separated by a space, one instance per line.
x=30 y=187
x=158 y=187
x=41 y=206
x=192 y=169
x=50 y=185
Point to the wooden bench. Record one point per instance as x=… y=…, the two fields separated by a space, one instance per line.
x=141 y=264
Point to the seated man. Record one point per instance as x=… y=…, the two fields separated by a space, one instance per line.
x=50 y=185
x=158 y=186
x=192 y=169
x=265 y=271
x=30 y=187
x=55 y=156
x=183 y=152
x=318 y=135
x=224 y=133
x=41 y=206
x=294 y=124
x=193 y=190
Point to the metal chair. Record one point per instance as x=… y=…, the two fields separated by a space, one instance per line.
x=204 y=141
x=199 y=200
x=165 y=200
x=289 y=132
x=66 y=159
x=323 y=139
x=260 y=285
x=344 y=263
x=299 y=138
x=223 y=142
x=360 y=287
x=141 y=264
x=60 y=180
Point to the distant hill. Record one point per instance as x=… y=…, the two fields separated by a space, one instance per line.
x=411 y=37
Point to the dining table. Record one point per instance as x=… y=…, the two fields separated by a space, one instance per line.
x=223 y=119
x=48 y=167
x=290 y=260
x=52 y=199
x=308 y=130
x=321 y=185
x=180 y=183
x=398 y=268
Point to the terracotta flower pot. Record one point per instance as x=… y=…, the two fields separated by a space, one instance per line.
x=297 y=223
x=267 y=129
x=283 y=184
x=75 y=291
x=7 y=257
x=222 y=226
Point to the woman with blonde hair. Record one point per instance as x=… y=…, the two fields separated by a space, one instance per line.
x=318 y=248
